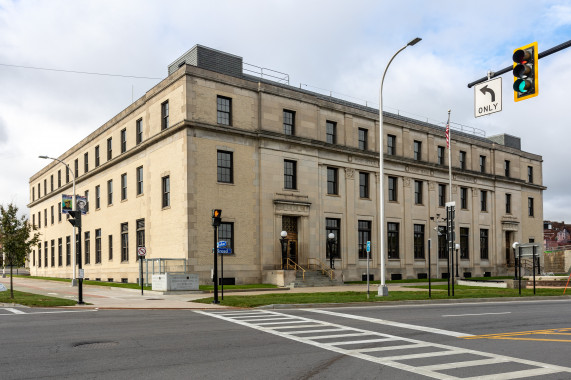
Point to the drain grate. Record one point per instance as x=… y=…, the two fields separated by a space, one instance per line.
x=94 y=345
x=155 y=299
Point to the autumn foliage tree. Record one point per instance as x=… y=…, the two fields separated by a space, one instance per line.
x=17 y=237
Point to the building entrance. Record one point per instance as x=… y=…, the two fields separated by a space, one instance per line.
x=289 y=224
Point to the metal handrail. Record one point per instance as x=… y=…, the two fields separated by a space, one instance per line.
x=292 y=264
x=321 y=266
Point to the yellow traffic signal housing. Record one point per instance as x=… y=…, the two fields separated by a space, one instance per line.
x=525 y=72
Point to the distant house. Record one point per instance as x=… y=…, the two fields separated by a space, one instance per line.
x=556 y=234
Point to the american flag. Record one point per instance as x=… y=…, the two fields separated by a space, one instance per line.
x=448 y=132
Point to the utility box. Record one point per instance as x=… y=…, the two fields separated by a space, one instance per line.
x=167 y=282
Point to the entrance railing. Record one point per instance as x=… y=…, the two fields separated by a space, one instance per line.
x=292 y=265
x=320 y=265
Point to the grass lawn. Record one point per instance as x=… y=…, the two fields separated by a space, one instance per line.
x=29 y=299
x=207 y=288
x=439 y=292
x=90 y=282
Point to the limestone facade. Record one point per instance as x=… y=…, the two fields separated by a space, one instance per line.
x=323 y=174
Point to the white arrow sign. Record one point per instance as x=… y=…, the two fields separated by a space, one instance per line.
x=488 y=97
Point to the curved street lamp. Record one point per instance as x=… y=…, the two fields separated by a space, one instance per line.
x=383 y=289
x=73 y=253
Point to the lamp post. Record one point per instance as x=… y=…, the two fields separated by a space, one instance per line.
x=330 y=241
x=514 y=246
x=283 y=242
x=457 y=248
x=383 y=289
x=73 y=208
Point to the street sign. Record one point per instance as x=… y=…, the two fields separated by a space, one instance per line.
x=224 y=250
x=141 y=251
x=81 y=273
x=368 y=247
x=221 y=244
x=488 y=97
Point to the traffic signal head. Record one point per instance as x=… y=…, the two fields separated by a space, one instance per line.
x=74 y=217
x=525 y=72
x=216 y=217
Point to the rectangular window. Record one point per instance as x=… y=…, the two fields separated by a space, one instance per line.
x=364 y=236
x=224 y=110
x=52 y=214
x=332 y=182
x=39 y=190
x=482 y=164
x=441 y=195
x=139 y=180
x=123 y=186
x=109 y=148
x=483 y=200
x=59 y=252
x=140 y=234
x=109 y=192
x=530 y=207
x=417 y=150
x=289 y=123
x=464 y=236
x=363 y=139
x=85 y=162
x=97 y=197
x=45 y=254
x=440 y=155
x=33 y=194
x=331 y=132
x=393 y=240
x=333 y=226
x=76 y=167
x=166 y=191
x=66 y=176
x=87 y=252
x=98 y=246
x=86 y=200
x=68 y=250
x=165 y=115
x=59 y=211
x=97 y=162
x=46 y=217
x=418 y=192
x=226 y=233
x=364 y=185
x=110 y=252
x=139 y=131
x=530 y=174
x=419 y=241
x=462 y=160
x=123 y=140
x=45 y=187
x=290 y=174
x=53 y=252
x=464 y=197
x=59 y=179
x=51 y=183
x=508 y=203
x=225 y=170
x=33 y=220
x=484 y=244
x=124 y=242
x=507 y=168
x=391 y=145
x=39 y=254
x=393 y=189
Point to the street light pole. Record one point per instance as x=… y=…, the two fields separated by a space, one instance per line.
x=73 y=207
x=383 y=289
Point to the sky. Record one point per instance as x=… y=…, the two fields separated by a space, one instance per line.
x=337 y=46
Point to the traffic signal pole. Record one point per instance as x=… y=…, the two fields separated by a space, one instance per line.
x=544 y=54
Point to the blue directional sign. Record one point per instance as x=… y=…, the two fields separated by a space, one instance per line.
x=224 y=250
x=368 y=247
x=221 y=244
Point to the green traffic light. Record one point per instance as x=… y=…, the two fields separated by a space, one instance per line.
x=522 y=85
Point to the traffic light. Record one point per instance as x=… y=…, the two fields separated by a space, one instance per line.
x=74 y=217
x=216 y=217
x=525 y=72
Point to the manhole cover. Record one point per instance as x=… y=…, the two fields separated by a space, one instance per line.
x=94 y=345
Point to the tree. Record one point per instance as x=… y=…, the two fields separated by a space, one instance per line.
x=16 y=238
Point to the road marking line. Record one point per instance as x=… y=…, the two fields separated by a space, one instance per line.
x=464 y=315
x=314 y=331
x=334 y=336
x=521 y=335
x=443 y=350
x=15 y=311
x=49 y=312
x=470 y=363
x=390 y=323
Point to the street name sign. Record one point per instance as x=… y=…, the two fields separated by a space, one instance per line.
x=221 y=244
x=488 y=97
x=224 y=250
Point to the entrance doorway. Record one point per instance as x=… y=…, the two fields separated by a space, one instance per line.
x=509 y=253
x=289 y=224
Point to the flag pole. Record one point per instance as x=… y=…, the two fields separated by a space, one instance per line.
x=448 y=145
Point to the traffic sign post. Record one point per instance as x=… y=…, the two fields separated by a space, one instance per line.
x=368 y=255
x=141 y=251
x=488 y=97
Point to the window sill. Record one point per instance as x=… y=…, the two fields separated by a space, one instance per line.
x=166 y=208
x=226 y=183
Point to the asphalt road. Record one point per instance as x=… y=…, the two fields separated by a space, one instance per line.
x=389 y=342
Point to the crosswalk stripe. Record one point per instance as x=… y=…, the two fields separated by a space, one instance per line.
x=15 y=311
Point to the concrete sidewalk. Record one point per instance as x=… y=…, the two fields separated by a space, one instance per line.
x=107 y=297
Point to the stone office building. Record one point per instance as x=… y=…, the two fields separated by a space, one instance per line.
x=274 y=157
